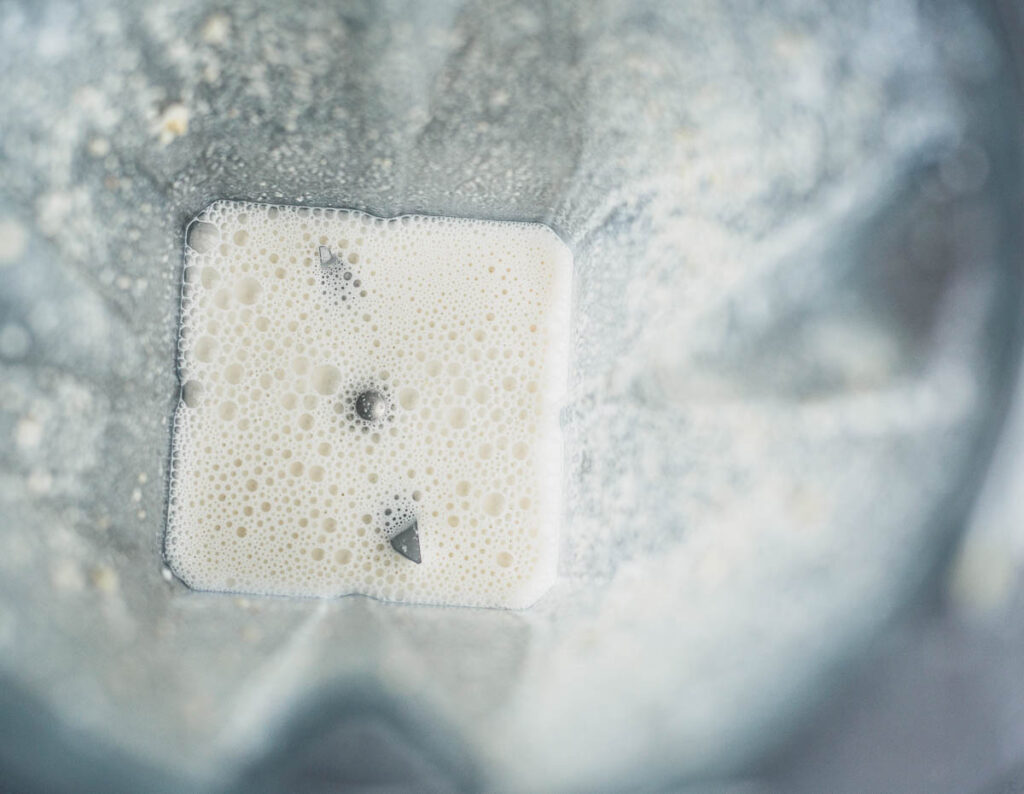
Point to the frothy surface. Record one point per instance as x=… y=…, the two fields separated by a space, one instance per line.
x=459 y=331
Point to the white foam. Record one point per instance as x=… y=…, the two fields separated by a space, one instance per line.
x=279 y=487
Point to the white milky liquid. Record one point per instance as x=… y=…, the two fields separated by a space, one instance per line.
x=278 y=486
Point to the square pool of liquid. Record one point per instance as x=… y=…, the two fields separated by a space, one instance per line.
x=369 y=406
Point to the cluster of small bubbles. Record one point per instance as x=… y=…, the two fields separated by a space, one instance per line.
x=336 y=276
x=398 y=515
x=343 y=376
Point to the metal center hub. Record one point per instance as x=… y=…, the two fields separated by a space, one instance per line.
x=371 y=406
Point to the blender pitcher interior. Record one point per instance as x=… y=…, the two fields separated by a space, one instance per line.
x=793 y=326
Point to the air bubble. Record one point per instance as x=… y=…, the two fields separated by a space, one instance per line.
x=209 y=277
x=247 y=290
x=408 y=398
x=222 y=299
x=191 y=393
x=326 y=379
x=233 y=373
x=206 y=348
x=494 y=504
x=203 y=237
